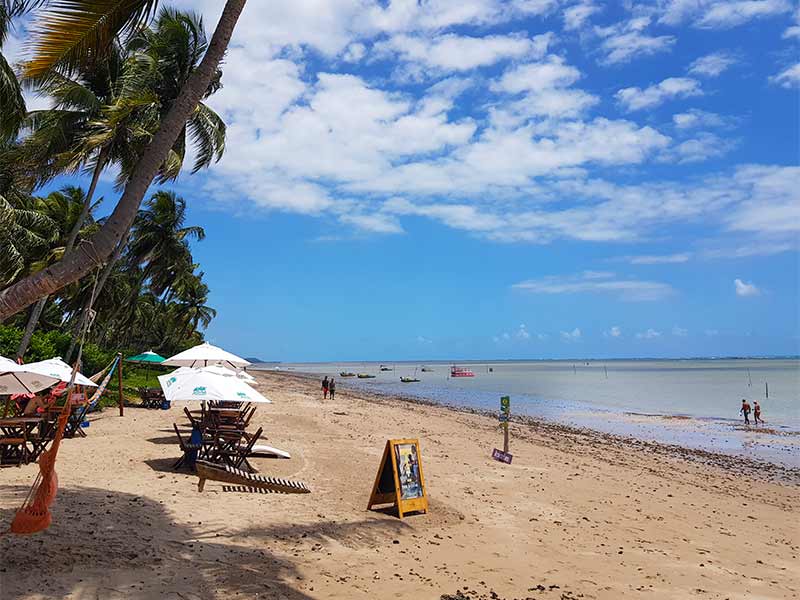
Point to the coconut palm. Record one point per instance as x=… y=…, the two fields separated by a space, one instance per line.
x=105 y=112
x=70 y=34
x=25 y=234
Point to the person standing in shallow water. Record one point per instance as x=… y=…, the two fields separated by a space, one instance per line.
x=745 y=410
x=757 y=413
x=325 y=387
x=332 y=387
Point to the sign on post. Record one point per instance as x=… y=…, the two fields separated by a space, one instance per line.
x=400 y=480
x=505 y=412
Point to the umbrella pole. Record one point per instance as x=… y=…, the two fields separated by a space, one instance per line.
x=119 y=381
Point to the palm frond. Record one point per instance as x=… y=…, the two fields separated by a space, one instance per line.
x=207 y=130
x=73 y=32
x=13 y=111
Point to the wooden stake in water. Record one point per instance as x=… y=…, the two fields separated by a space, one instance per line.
x=606 y=370
x=766 y=387
x=749 y=380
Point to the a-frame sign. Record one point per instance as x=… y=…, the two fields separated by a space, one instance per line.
x=400 y=480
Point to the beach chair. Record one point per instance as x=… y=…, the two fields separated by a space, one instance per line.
x=189 y=450
x=235 y=454
x=246 y=482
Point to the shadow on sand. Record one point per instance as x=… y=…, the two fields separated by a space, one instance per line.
x=117 y=545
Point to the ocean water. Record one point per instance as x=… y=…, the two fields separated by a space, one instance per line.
x=694 y=403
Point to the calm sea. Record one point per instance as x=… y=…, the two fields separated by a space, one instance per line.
x=640 y=398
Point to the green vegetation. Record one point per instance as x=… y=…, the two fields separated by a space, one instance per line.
x=111 y=95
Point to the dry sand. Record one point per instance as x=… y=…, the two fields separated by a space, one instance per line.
x=577 y=514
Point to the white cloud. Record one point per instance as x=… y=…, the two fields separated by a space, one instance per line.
x=634 y=98
x=375 y=223
x=571 y=336
x=697 y=118
x=545 y=87
x=542 y=336
x=650 y=334
x=588 y=282
x=745 y=289
x=711 y=332
x=794 y=30
x=720 y=14
x=725 y=14
x=702 y=147
x=421 y=339
x=522 y=333
x=663 y=259
x=712 y=65
x=680 y=331
x=613 y=332
x=788 y=78
x=461 y=53
x=577 y=15
x=627 y=40
x=354 y=52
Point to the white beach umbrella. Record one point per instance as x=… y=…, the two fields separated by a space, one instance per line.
x=55 y=367
x=199 y=384
x=203 y=355
x=18 y=379
x=227 y=372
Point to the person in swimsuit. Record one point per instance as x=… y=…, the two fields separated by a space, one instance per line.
x=325 y=387
x=757 y=413
x=332 y=387
x=745 y=410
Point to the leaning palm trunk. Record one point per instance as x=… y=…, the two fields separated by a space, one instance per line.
x=84 y=314
x=98 y=247
x=36 y=311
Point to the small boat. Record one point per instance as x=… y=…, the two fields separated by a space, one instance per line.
x=409 y=379
x=385 y=368
x=346 y=374
x=365 y=376
x=460 y=372
x=427 y=369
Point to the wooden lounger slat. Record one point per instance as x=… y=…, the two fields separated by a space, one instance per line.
x=227 y=474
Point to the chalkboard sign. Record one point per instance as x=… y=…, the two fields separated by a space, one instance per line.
x=400 y=480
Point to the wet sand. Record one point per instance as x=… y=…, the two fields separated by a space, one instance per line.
x=577 y=515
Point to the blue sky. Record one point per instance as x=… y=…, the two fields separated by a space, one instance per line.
x=523 y=179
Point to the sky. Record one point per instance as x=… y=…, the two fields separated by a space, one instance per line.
x=467 y=179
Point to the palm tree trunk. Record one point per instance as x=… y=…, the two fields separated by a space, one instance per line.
x=36 y=311
x=93 y=251
x=101 y=281
x=87 y=202
x=33 y=320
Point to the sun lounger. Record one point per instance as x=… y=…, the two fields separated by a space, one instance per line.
x=260 y=450
x=249 y=481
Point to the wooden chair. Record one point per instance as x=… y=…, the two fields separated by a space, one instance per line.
x=188 y=449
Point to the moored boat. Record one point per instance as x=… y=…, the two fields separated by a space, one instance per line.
x=409 y=379
x=385 y=368
x=365 y=376
x=427 y=369
x=460 y=372
x=346 y=374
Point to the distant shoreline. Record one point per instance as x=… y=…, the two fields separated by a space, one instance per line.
x=735 y=464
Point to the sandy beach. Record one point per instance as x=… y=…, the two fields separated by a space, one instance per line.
x=577 y=514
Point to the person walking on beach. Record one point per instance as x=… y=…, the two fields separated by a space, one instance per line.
x=745 y=410
x=757 y=413
x=332 y=387
x=326 y=387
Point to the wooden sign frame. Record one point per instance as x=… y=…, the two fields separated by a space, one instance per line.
x=388 y=489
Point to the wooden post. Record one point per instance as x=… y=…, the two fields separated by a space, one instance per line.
x=505 y=437
x=119 y=381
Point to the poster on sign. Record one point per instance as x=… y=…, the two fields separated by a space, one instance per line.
x=400 y=481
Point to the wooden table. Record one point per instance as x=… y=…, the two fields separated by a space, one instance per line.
x=18 y=442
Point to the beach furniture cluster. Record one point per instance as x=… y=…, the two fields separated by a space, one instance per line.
x=35 y=395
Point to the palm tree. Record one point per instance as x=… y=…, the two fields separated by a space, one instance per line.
x=106 y=111
x=11 y=98
x=24 y=233
x=72 y=34
x=65 y=208
x=192 y=307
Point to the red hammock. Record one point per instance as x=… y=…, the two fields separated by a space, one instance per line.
x=34 y=515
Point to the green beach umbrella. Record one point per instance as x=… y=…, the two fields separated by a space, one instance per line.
x=147 y=358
